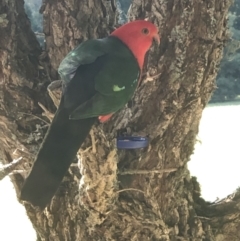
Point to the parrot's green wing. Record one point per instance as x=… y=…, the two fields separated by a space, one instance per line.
x=114 y=84
x=85 y=53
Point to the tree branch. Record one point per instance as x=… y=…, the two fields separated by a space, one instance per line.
x=10 y=168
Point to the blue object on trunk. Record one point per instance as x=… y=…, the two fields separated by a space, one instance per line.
x=132 y=142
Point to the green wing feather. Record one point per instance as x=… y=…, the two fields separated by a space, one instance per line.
x=85 y=53
x=115 y=84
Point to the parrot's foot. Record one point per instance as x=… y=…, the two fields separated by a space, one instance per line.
x=104 y=118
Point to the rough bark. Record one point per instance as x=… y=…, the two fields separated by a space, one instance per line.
x=123 y=195
x=20 y=85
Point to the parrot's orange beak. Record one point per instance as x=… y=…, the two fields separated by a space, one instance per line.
x=156 y=38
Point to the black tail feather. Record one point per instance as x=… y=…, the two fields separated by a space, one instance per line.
x=59 y=148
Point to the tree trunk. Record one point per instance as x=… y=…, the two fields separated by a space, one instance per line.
x=143 y=194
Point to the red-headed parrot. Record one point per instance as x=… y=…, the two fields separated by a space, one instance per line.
x=99 y=78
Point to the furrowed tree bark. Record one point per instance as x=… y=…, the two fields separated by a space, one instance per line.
x=114 y=194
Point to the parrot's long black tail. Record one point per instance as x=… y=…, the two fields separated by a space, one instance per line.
x=58 y=150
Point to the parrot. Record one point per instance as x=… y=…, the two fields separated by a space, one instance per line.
x=99 y=77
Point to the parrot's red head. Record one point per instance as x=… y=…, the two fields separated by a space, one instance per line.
x=138 y=36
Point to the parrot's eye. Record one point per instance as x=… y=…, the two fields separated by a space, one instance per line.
x=145 y=31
